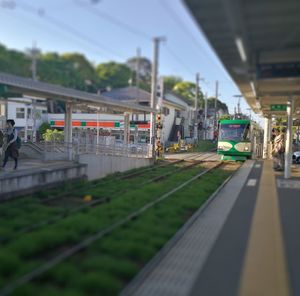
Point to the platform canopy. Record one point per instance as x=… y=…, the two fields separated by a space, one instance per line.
x=258 y=42
x=81 y=100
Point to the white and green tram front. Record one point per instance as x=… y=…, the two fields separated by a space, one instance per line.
x=234 y=139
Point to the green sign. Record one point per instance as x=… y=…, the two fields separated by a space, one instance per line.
x=117 y=124
x=83 y=123
x=52 y=122
x=278 y=107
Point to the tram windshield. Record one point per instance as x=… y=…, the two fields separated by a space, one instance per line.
x=234 y=132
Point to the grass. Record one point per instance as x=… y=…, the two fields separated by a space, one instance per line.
x=116 y=258
x=108 y=264
x=29 y=211
x=37 y=246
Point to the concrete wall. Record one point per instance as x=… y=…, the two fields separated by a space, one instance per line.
x=21 y=182
x=99 y=166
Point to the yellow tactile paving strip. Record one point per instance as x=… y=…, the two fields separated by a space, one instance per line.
x=264 y=271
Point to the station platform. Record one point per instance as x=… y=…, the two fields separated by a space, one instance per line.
x=244 y=241
x=34 y=174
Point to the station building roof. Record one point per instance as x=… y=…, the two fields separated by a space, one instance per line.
x=129 y=93
x=258 y=43
x=134 y=94
x=79 y=98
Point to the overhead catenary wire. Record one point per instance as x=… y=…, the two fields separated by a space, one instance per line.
x=65 y=27
x=178 y=20
x=124 y=26
x=51 y=29
x=130 y=29
x=113 y=20
x=79 y=35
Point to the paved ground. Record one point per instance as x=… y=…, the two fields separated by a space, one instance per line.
x=32 y=165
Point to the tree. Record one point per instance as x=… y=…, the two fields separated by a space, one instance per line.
x=113 y=75
x=170 y=82
x=70 y=70
x=187 y=91
x=84 y=70
x=220 y=105
x=44 y=127
x=14 y=62
x=144 y=66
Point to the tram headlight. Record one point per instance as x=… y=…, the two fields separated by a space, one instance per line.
x=246 y=148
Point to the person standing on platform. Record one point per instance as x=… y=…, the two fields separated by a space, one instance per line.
x=278 y=151
x=11 y=149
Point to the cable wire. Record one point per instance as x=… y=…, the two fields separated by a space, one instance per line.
x=177 y=19
x=111 y=19
x=63 y=26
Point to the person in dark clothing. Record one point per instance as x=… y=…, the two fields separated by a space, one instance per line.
x=11 y=149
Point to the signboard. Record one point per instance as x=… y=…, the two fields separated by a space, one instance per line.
x=278 y=70
x=278 y=107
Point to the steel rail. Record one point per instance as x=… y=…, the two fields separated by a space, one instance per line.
x=101 y=200
x=91 y=239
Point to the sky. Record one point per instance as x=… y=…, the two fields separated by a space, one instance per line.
x=106 y=30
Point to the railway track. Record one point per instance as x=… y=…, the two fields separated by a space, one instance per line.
x=98 y=201
x=98 y=235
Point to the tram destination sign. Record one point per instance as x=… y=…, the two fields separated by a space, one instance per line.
x=278 y=70
x=278 y=107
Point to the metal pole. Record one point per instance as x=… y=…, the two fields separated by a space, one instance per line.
x=138 y=56
x=216 y=100
x=26 y=124
x=205 y=116
x=68 y=129
x=34 y=53
x=288 y=142
x=97 y=140
x=126 y=128
x=156 y=41
x=266 y=138
x=196 y=108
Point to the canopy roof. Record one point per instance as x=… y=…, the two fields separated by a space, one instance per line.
x=258 y=42
x=51 y=91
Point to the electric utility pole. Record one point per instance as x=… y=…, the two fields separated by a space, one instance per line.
x=205 y=116
x=156 y=42
x=216 y=100
x=137 y=68
x=196 y=108
x=137 y=83
x=34 y=52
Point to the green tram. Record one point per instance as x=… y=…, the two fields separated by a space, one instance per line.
x=237 y=139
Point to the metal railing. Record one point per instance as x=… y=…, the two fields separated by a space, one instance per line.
x=63 y=150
